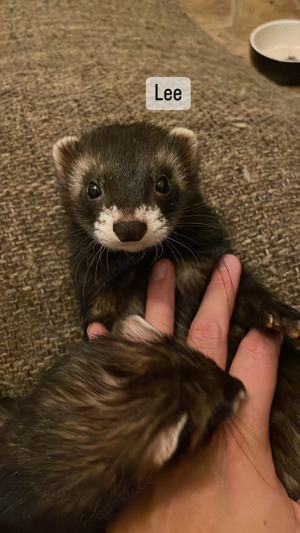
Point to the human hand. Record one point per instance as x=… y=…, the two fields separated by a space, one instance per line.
x=231 y=486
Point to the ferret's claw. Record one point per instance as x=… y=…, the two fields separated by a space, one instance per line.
x=288 y=326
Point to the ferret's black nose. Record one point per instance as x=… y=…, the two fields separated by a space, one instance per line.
x=130 y=231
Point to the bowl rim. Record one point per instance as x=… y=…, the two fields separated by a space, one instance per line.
x=265 y=25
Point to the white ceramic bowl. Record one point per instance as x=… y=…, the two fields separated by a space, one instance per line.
x=275 y=50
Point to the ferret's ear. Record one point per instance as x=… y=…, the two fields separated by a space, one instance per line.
x=187 y=145
x=65 y=152
x=186 y=135
x=136 y=328
x=165 y=444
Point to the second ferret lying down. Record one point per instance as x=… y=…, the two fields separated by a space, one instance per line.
x=105 y=418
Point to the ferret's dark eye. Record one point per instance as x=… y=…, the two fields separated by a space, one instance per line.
x=94 y=190
x=163 y=185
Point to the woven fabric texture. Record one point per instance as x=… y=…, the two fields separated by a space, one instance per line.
x=70 y=65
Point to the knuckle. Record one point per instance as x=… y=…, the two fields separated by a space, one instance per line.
x=258 y=345
x=207 y=332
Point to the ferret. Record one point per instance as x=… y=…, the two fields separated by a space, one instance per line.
x=117 y=409
x=132 y=193
x=103 y=421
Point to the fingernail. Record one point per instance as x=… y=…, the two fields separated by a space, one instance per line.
x=95 y=329
x=90 y=330
x=159 y=272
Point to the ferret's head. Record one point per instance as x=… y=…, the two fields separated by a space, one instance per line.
x=127 y=185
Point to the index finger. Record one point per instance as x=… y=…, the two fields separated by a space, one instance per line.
x=160 y=302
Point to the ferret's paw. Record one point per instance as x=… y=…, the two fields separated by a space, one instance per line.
x=288 y=325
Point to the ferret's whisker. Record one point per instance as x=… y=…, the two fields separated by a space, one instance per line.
x=79 y=260
x=202 y=224
x=158 y=252
x=87 y=271
x=183 y=236
x=82 y=253
x=224 y=285
x=29 y=268
x=191 y=207
x=171 y=249
x=155 y=258
x=194 y=211
x=229 y=423
x=80 y=245
x=231 y=284
x=239 y=431
x=67 y=271
x=248 y=428
x=107 y=262
x=161 y=250
x=99 y=261
x=77 y=231
x=185 y=246
x=175 y=248
x=199 y=215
